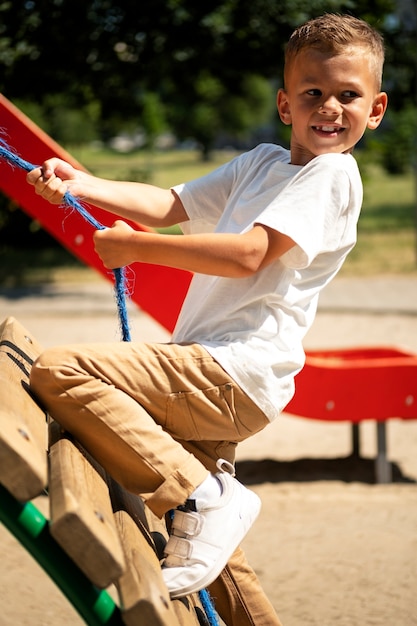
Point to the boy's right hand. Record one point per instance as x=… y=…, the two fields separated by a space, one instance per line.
x=53 y=179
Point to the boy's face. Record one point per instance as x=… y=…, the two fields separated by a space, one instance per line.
x=329 y=101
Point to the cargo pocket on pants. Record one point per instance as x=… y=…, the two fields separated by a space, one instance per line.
x=207 y=414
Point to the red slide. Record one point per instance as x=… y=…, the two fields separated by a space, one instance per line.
x=158 y=290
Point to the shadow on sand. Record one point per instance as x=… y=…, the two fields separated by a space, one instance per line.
x=347 y=469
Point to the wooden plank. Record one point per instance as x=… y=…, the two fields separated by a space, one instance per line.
x=123 y=500
x=143 y=594
x=158 y=530
x=23 y=429
x=186 y=608
x=81 y=514
x=132 y=590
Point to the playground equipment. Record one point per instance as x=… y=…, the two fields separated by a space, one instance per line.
x=357 y=384
x=98 y=534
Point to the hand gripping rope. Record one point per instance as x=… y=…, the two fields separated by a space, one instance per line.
x=120 y=295
x=69 y=201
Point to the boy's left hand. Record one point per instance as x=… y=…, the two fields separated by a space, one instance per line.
x=113 y=245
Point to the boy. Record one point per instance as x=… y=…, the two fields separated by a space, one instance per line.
x=263 y=235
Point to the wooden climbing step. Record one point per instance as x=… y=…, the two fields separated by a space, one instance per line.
x=23 y=429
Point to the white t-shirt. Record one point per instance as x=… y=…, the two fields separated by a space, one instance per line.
x=254 y=326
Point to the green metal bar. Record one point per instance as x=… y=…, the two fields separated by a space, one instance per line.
x=31 y=529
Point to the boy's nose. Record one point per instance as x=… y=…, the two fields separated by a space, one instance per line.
x=330 y=105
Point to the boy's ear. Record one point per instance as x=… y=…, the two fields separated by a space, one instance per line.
x=283 y=107
x=378 y=110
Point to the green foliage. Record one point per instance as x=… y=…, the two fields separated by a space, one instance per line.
x=66 y=123
x=35 y=111
x=400 y=33
x=253 y=107
x=72 y=126
x=193 y=57
x=399 y=140
x=153 y=117
x=217 y=110
x=113 y=52
x=88 y=70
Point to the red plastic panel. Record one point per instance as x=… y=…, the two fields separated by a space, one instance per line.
x=357 y=384
x=158 y=290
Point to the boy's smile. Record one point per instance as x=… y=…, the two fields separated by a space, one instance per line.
x=329 y=101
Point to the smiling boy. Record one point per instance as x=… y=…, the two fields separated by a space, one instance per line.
x=332 y=86
x=263 y=234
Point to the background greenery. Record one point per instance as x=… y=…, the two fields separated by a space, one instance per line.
x=114 y=81
x=206 y=71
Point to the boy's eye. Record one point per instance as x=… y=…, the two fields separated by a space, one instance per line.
x=350 y=94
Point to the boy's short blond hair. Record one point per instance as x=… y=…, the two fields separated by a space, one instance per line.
x=335 y=34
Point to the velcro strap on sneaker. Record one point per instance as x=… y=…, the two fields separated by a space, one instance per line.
x=177 y=551
x=186 y=524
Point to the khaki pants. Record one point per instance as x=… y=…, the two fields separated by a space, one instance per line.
x=157 y=417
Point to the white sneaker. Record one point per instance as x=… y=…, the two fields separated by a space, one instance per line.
x=201 y=542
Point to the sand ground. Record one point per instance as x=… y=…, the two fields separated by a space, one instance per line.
x=330 y=546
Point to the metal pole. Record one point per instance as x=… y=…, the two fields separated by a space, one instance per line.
x=383 y=468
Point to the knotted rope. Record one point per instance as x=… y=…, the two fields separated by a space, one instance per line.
x=69 y=201
x=120 y=295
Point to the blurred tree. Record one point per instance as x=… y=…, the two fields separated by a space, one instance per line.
x=398 y=140
x=201 y=58
x=153 y=118
x=88 y=68
x=400 y=31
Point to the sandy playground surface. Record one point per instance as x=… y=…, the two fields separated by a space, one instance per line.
x=330 y=547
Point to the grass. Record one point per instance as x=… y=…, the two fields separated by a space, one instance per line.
x=164 y=169
x=386 y=232
x=387 y=241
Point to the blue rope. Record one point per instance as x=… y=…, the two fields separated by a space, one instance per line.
x=207 y=604
x=120 y=295
x=119 y=273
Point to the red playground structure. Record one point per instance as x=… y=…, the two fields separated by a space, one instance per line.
x=350 y=385
x=357 y=384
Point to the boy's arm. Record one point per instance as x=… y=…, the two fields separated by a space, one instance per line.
x=229 y=255
x=139 y=202
x=215 y=254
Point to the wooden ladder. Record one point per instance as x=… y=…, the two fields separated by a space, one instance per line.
x=99 y=536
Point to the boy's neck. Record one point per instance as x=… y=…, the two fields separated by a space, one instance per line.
x=301 y=158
